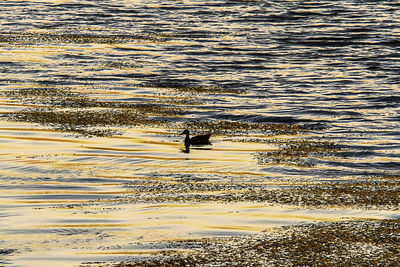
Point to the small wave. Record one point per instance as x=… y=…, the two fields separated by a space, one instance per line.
x=260 y=118
x=387 y=99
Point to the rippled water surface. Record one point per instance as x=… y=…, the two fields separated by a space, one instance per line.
x=136 y=73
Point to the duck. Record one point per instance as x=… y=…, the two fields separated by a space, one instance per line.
x=196 y=140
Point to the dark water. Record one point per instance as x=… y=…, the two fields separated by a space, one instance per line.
x=330 y=66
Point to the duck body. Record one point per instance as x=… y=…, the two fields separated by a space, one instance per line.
x=196 y=140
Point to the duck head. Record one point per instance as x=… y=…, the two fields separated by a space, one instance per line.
x=186 y=131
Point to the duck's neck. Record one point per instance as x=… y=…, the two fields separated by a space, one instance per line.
x=187 y=140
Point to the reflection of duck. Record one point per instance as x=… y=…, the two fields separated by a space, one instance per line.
x=196 y=140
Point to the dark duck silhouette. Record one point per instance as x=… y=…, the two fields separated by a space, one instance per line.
x=196 y=140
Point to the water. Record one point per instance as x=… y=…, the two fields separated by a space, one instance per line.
x=328 y=66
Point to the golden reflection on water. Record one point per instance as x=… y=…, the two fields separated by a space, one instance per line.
x=63 y=190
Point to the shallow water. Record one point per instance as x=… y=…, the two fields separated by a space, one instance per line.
x=330 y=67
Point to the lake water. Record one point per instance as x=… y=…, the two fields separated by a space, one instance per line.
x=329 y=68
